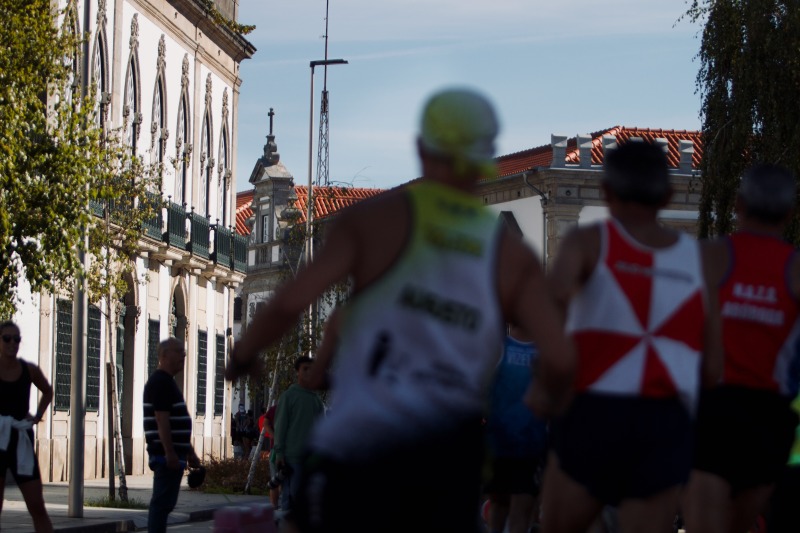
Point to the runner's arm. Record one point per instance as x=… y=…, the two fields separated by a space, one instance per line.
x=332 y=263
x=318 y=376
x=41 y=383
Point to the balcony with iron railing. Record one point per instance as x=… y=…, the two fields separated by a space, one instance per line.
x=153 y=226
x=176 y=225
x=199 y=237
x=191 y=231
x=97 y=207
x=239 y=253
x=222 y=246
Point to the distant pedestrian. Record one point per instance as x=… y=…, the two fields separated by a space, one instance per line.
x=168 y=430
x=16 y=433
x=516 y=440
x=238 y=422
x=249 y=433
x=298 y=409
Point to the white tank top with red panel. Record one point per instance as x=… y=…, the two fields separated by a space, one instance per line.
x=638 y=322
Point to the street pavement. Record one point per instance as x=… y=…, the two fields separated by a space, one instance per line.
x=193 y=506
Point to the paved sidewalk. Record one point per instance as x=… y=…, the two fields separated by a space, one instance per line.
x=192 y=506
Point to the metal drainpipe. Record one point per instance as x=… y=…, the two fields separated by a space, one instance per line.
x=543 y=200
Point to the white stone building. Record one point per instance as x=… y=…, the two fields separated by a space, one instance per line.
x=167 y=71
x=548 y=189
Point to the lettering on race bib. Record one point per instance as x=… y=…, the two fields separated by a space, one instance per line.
x=755 y=293
x=452 y=240
x=753 y=313
x=651 y=272
x=448 y=311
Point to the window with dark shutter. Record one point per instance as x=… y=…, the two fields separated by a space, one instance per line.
x=93 y=360
x=63 y=354
x=219 y=376
x=237 y=309
x=153 y=327
x=202 y=369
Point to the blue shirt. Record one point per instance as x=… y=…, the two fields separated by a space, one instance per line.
x=512 y=429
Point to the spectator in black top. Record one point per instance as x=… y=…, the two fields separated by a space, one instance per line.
x=167 y=430
x=16 y=442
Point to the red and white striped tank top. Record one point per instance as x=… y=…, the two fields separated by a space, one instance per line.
x=638 y=322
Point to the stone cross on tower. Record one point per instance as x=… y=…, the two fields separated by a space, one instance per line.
x=271 y=115
x=271 y=149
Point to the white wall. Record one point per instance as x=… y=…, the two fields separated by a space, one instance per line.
x=528 y=212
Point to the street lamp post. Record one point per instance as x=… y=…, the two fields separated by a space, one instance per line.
x=310 y=206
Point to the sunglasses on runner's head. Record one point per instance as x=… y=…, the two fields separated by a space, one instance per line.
x=8 y=338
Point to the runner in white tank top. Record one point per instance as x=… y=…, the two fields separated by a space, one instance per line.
x=434 y=278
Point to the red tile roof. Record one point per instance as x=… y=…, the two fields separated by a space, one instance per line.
x=243 y=211
x=542 y=156
x=327 y=200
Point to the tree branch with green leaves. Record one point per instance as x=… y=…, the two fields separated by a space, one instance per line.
x=748 y=81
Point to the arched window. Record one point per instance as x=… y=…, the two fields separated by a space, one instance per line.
x=100 y=78
x=224 y=175
x=158 y=126
x=131 y=113
x=181 y=145
x=206 y=170
x=71 y=57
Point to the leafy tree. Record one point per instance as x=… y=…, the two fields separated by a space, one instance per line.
x=55 y=155
x=749 y=77
x=64 y=172
x=48 y=152
x=122 y=205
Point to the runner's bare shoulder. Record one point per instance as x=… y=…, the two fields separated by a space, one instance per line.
x=379 y=228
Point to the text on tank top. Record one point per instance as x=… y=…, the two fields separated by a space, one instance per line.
x=759 y=315
x=418 y=345
x=638 y=322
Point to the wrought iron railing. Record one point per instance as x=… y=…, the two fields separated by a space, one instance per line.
x=153 y=226
x=199 y=241
x=96 y=207
x=176 y=225
x=222 y=246
x=239 y=253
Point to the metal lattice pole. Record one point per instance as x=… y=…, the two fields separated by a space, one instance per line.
x=323 y=152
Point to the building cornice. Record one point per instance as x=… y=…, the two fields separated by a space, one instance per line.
x=233 y=44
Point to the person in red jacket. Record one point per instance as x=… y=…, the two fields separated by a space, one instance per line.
x=745 y=424
x=267 y=417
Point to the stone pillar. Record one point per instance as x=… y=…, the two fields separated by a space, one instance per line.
x=560 y=219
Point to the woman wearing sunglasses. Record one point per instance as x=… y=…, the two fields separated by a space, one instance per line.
x=16 y=423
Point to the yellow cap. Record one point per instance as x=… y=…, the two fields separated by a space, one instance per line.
x=461 y=124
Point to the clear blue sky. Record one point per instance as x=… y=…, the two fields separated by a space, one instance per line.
x=566 y=67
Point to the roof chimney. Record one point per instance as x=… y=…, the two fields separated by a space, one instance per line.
x=585 y=150
x=609 y=143
x=663 y=143
x=559 y=144
x=686 y=148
